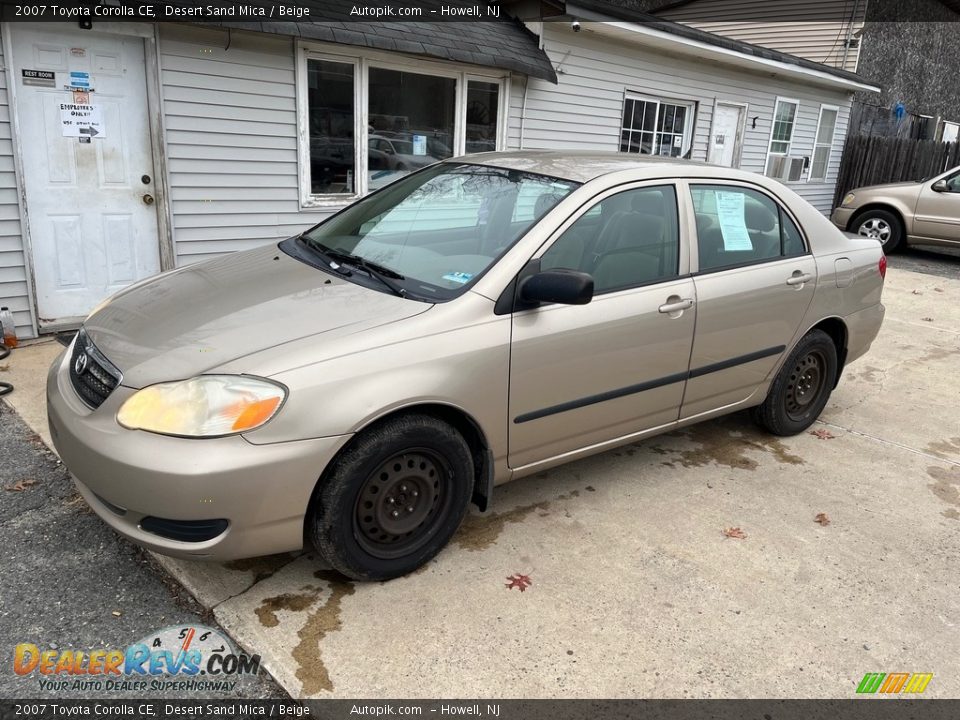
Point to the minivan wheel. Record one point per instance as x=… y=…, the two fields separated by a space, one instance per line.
x=880 y=225
x=393 y=499
x=801 y=388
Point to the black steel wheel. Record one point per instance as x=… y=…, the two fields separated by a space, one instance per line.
x=801 y=388
x=393 y=498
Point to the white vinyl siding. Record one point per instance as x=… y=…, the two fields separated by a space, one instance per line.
x=584 y=111
x=14 y=292
x=814 y=29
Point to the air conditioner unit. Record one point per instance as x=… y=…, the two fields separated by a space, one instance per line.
x=785 y=168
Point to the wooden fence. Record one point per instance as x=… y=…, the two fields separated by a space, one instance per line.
x=875 y=160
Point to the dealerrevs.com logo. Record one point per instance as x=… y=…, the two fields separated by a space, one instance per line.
x=176 y=658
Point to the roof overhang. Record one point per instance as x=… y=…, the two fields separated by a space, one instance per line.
x=648 y=35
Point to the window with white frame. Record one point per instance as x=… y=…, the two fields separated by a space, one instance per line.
x=779 y=163
x=951 y=131
x=652 y=126
x=823 y=146
x=372 y=119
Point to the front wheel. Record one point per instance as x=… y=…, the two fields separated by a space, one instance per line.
x=801 y=388
x=393 y=499
x=880 y=225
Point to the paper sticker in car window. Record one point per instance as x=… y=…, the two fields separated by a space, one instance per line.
x=458 y=277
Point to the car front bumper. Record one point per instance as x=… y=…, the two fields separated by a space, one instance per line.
x=841 y=217
x=262 y=491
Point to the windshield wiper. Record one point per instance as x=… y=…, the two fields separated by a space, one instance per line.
x=384 y=274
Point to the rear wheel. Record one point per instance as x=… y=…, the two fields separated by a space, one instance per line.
x=881 y=225
x=801 y=388
x=393 y=499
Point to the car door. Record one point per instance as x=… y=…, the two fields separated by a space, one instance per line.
x=754 y=281
x=582 y=375
x=938 y=212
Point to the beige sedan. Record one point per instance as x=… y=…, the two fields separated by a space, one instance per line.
x=899 y=214
x=482 y=319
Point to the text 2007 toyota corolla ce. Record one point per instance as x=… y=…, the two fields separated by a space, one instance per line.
x=479 y=320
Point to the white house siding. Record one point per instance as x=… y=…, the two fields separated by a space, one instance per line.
x=231 y=138
x=813 y=29
x=584 y=111
x=13 y=271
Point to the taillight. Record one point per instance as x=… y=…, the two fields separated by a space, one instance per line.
x=882 y=266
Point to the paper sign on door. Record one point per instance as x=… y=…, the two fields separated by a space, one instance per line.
x=81 y=120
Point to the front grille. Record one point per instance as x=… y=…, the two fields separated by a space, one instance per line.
x=93 y=376
x=184 y=530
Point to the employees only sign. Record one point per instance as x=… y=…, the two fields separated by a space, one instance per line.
x=81 y=120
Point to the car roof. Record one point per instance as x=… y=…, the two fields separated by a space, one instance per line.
x=583 y=166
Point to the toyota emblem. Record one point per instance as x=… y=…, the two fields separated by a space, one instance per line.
x=80 y=364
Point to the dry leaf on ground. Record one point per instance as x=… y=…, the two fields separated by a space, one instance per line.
x=20 y=485
x=734 y=532
x=521 y=582
x=927 y=319
x=822 y=518
x=822 y=434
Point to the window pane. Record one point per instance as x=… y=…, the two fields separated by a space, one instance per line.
x=410 y=123
x=627 y=114
x=792 y=239
x=330 y=110
x=828 y=122
x=735 y=226
x=820 y=157
x=483 y=101
x=625 y=240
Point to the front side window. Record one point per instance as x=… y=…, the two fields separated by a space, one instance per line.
x=779 y=163
x=404 y=120
x=739 y=226
x=437 y=230
x=823 y=147
x=628 y=239
x=656 y=127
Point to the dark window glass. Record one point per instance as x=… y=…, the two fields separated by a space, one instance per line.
x=736 y=226
x=331 y=120
x=628 y=239
x=410 y=123
x=483 y=99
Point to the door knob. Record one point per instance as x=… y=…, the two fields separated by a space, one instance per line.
x=148 y=199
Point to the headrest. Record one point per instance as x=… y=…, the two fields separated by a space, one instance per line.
x=758 y=216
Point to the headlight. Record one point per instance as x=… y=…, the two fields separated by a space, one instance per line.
x=204 y=406
x=849 y=198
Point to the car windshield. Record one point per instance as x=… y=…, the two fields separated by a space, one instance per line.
x=438 y=230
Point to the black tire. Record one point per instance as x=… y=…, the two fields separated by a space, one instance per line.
x=883 y=225
x=364 y=513
x=801 y=388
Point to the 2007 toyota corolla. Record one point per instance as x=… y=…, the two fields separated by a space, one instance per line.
x=480 y=320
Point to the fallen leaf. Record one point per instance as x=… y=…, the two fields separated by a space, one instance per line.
x=927 y=319
x=4 y=368
x=938 y=289
x=917 y=292
x=116 y=613
x=822 y=518
x=20 y=485
x=521 y=582
x=822 y=434
x=734 y=532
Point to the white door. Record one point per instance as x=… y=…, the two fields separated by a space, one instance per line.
x=88 y=176
x=726 y=136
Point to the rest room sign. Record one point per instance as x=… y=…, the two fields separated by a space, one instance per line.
x=78 y=120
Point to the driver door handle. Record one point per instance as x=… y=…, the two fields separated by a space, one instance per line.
x=799 y=278
x=676 y=305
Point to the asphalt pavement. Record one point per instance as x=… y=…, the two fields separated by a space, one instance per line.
x=69 y=582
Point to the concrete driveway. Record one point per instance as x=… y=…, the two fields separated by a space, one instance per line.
x=636 y=590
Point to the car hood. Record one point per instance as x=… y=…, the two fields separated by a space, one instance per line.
x=192 y=320
x=900 y=186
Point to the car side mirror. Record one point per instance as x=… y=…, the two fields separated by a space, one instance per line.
x=940 y=186
x=567 y=287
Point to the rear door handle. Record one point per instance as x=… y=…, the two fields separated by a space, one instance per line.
x=799 y=278
x=676 y=305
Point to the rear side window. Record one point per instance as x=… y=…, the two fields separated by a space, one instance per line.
x=739 y=226
x=625 y=240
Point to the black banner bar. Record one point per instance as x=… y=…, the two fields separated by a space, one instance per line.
x=872 y=708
